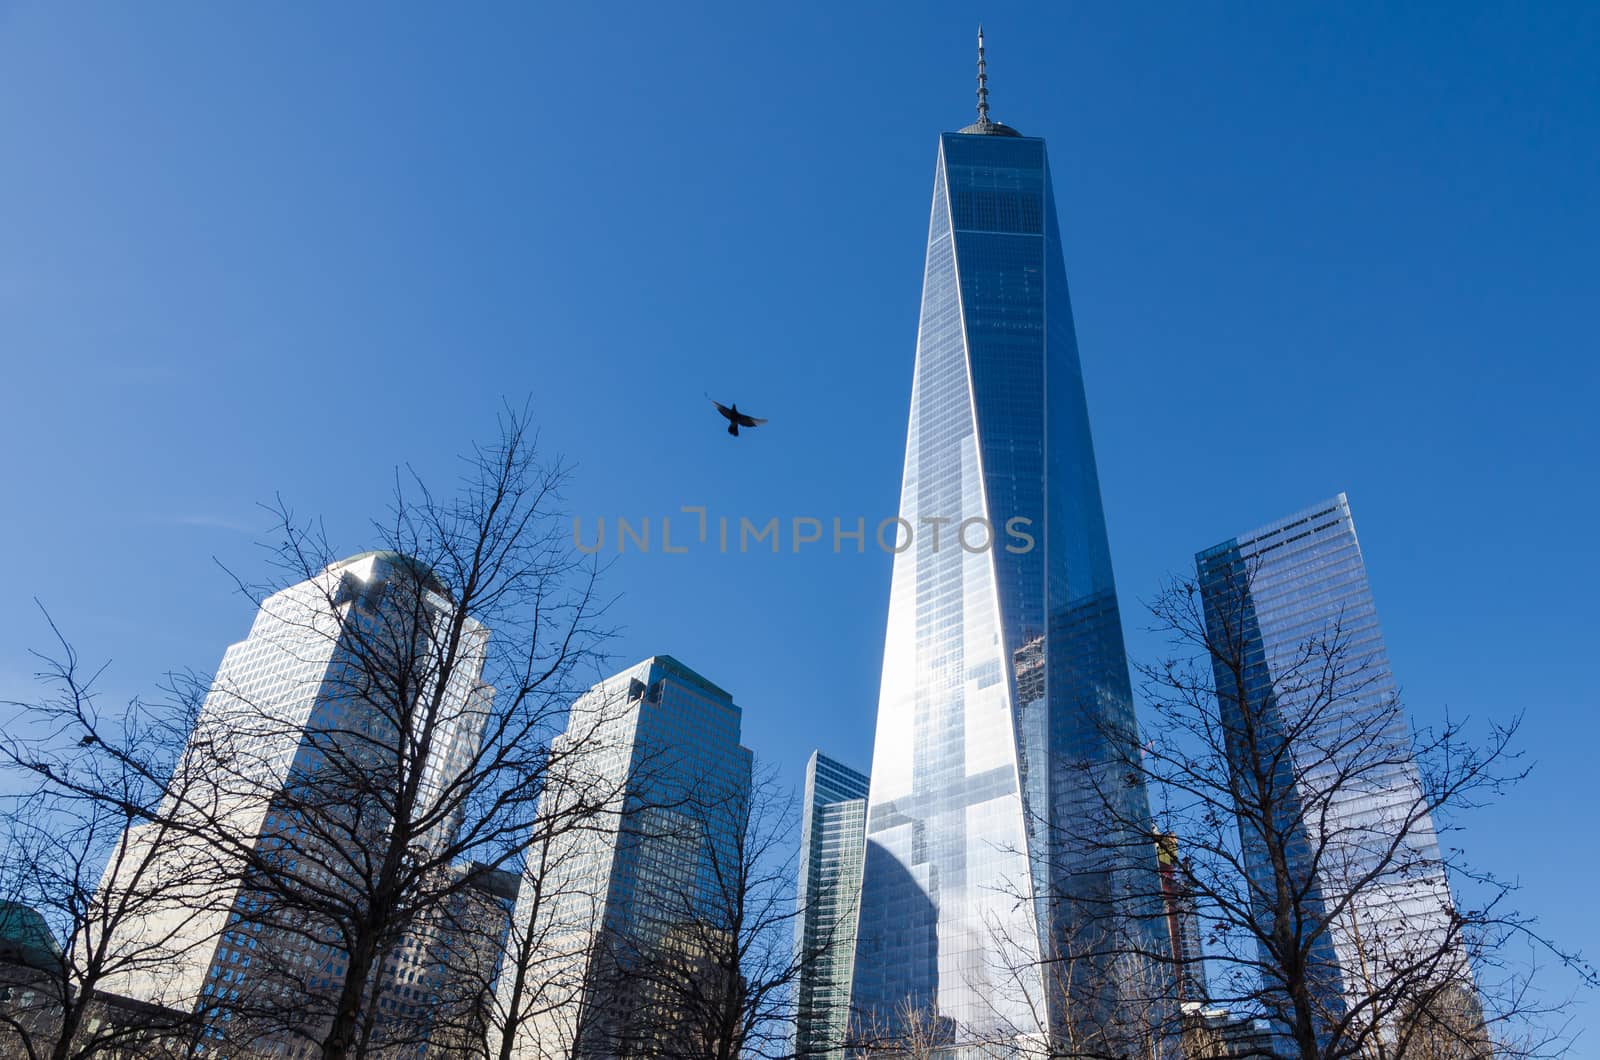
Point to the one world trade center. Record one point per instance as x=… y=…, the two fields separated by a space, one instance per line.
x=1005 y=701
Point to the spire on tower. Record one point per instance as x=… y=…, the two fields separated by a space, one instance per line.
x=983 y=82
x=986 y=126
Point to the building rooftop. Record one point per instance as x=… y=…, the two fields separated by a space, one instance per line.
x=415 y=566
x=683 y=673
x=25 y=938
x=988 y=128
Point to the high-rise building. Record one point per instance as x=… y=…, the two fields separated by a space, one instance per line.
x=1005 y=698
x=629 y=913
x=1362 y=849
x=832 y=838
x=301 y=714
x=445 y=974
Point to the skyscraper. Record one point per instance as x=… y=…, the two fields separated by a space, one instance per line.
x=334 y=686
x=1005 y=691
x=832 y=837
x=633 y=908
x=456 y=958
x=1290 y=601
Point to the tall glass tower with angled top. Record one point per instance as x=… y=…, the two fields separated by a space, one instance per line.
x=1005 y=694
x=1374 y=899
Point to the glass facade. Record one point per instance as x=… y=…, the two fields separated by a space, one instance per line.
x=1005 y=682
x=1281 y=589
x=278 y=727
x=662 y=742
x=832 y=837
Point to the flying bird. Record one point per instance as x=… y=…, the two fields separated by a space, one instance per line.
x=735 y=418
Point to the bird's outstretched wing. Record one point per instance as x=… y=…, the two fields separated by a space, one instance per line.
x=734 y=416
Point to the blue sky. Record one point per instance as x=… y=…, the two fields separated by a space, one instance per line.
x=281 y=249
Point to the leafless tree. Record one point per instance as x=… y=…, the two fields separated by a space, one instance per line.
x=1309 y=812
x=712 y=975
x=548 y=963
x=439 y=675
x=1116 y=996
x=544 y=964
x=56 y=845
x=455 y=681
x=747 y=926
x=915 y=1030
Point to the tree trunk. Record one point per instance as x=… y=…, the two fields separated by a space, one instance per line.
x=341 y=1036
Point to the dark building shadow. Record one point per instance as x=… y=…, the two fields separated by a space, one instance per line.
x=897 y=950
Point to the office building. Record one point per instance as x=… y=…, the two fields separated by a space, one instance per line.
x=630 y=915
x=325 y=698
x=1005 y=699
x=1309 y=710
x=832 y=842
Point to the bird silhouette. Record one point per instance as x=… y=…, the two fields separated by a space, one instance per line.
x=735 y=418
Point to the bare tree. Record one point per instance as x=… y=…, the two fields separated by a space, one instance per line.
x=454 y=676
x=717 y=980
x=1309 y=812
x=58 y=845
x=437 y=669
x=661 y=925
x=543 y=967
x=916 y=1030
x=459 y=949
x=1116 y=996
x=548 y=966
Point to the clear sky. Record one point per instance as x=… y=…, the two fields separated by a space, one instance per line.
x=247 y=250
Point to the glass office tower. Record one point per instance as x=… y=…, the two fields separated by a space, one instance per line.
x=299 y=712
x=832 y=835
x=1350 y=788
x=1005 y=684
x=632 y=914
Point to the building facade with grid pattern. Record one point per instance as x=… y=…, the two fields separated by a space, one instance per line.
x=1005 y=699
x=1314 y=728
x=628 y=915
x=335 y=683
x=832 y=841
